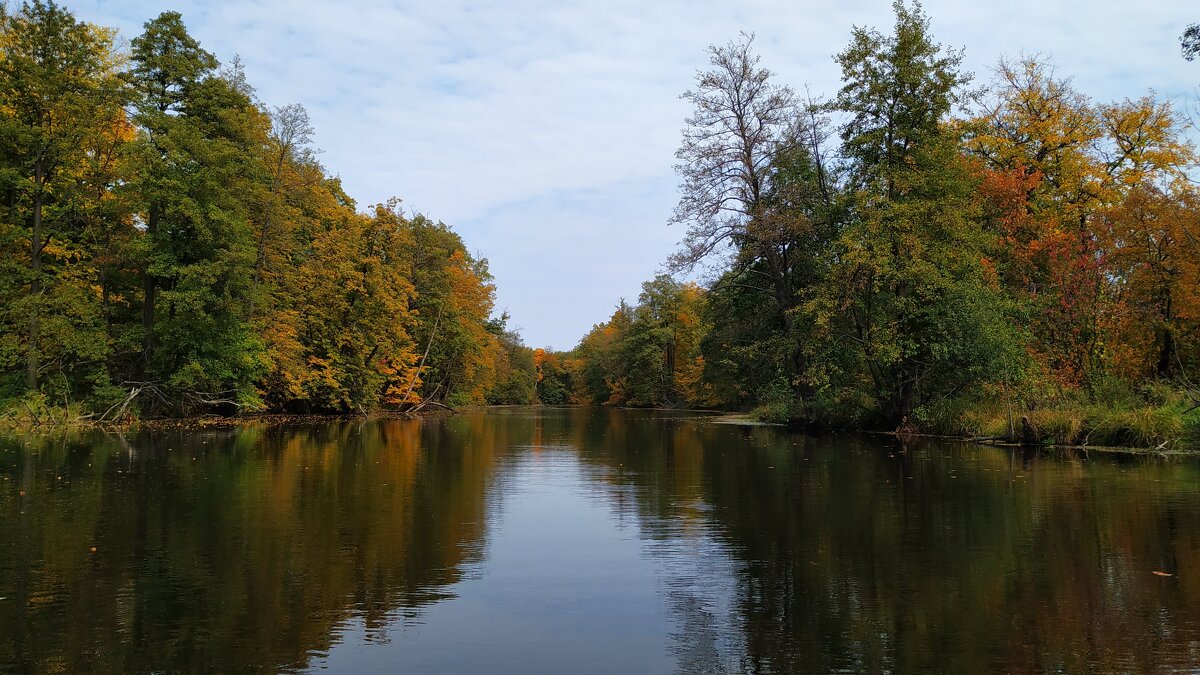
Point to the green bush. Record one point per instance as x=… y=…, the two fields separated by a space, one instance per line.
x=1112 y=391
x=775 y=402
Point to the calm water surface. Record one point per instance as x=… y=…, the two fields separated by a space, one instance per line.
x=550 y=541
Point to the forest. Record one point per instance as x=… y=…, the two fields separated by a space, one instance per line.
x=170 y=246
x=920 y=253
x=1006 y=259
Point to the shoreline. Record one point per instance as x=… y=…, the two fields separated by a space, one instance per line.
x=199 y=422
x=745 y=419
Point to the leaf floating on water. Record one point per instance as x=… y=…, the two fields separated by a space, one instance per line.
x=1160 y=573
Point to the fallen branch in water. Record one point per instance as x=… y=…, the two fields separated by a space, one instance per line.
x=421 y=366
x=133 y=393
x=435 y=404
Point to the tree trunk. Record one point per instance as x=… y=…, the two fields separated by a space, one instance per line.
x=785 y=301
x=35 y=286
x=1166 y=353
x=905 y=396
x=1166 y=340
x=149 y=288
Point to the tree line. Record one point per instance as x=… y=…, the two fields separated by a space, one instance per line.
x=913 y=250
x=171 y=245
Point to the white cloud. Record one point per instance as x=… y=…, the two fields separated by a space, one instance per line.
x=545 y=132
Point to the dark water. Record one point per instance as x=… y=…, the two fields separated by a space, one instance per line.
x=588 y=541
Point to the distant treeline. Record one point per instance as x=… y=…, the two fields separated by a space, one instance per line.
x=916 y=253
x=169 y=245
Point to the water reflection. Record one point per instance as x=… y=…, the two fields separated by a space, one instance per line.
x=598 y=540
x=221 y=550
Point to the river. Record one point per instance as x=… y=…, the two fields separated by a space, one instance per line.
x=588 y=541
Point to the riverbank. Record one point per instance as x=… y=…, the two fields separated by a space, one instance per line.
x=744 y=420
x=1171 y=430
x=58 y=420
x=1165 y=426
x=1169 y=426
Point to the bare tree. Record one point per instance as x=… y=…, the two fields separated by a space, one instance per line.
x=756 y=192
x=739 y=120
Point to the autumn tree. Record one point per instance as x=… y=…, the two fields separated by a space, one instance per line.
x=515 y=380
x=661 y=345
x=553 y=377
x=1054 y=163
x=1153 y=245
x=453 y=303
x=59 y=94
x=601 y=372
x=911 y=295
x=171 y=245
x=648 y=354
x=290 y=158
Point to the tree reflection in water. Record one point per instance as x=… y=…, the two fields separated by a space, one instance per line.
x=255 y=548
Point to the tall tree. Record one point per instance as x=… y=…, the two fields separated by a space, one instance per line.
x=912 y=296
x=168 y=64
x=1054 y=163
x=756 y=188
x=739 y=119
x=58 y=89
x=201 y=171
x=1153 y=244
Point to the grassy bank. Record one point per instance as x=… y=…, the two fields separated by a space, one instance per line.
x=35 y=414
x=1157 y=415
x=1167 y=420
x=1159 y=418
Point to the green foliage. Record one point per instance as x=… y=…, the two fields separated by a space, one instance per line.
x=168 y=246
x=555 y=388
x=59 y=97
x=196 y=165
x=1027 y=273
x=1190 y=438
x=647 y=355
x=516 y=378
x=910 y=293
x=776 y=403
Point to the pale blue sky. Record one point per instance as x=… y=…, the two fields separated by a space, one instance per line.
x=544 y=132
